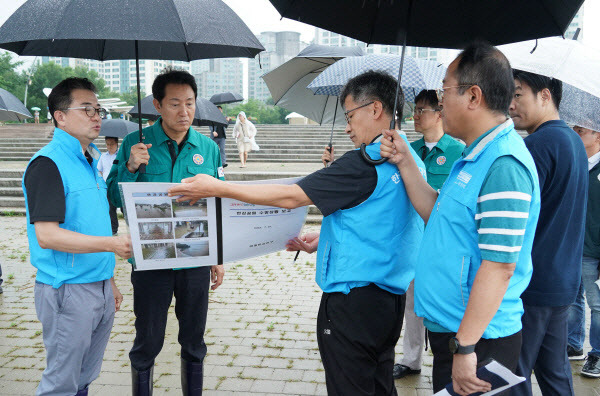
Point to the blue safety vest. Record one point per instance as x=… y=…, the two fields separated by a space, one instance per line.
x=86 y=213
x=373 y=242
x=450 y=257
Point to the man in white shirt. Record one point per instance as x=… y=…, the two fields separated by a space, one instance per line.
x=104 y=164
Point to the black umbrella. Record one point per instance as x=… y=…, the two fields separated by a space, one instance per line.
x=11 y=108
x=206 y=114
x=226 y=97
x=117 y=128
x=129 y=29
x=434 y=23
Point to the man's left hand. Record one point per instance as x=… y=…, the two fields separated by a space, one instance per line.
x=217 y=272
x=464 y=375
x=118 y=296
x=194 y=188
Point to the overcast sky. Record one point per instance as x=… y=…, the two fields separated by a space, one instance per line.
x=261 y=16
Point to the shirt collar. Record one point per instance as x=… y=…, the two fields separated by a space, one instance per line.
x=482 y=141
x=442 y=144
x=593 y=160
x=160 y=136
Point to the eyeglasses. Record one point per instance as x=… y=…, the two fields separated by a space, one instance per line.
x=90 y=110
x=356 y=108
x=440 y=91
x=419 y=112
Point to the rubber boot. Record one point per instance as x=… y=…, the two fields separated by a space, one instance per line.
x=141 y=382
x=191 y=378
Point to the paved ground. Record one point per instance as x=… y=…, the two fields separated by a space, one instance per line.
x=260 y=331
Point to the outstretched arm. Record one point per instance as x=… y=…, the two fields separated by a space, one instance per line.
x=202 y=186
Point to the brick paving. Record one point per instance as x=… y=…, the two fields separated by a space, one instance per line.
x=260 y=331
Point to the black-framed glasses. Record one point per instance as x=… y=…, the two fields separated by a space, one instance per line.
x=90 y=111
x=419 y=112
x=356 y=108
x=440 y=91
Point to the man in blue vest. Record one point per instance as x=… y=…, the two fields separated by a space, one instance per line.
x=475 y=259
x=439 y=151
x=367 y=246
x=71 y=242
x=562 y=168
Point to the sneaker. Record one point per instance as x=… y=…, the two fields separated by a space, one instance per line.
x=401 y=371
x=591 y=368
x=575 y=354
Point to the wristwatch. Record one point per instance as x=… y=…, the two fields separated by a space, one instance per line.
x=455 y=347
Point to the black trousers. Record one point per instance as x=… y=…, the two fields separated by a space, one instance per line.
x=504 y=350
x=152 y=294
x=357 y=333
x=114 y=221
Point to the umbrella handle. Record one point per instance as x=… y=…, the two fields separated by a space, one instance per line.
x=366 y=157
x=142 y=169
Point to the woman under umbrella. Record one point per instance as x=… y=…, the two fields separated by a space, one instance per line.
x=243 y=133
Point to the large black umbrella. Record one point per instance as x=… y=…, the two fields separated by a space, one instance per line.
x=434 y=23
x=117 y=128
x=226 y=97
x=129 y=29
x=206 y=112
x=11 y=108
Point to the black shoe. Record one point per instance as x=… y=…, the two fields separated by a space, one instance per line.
x=401 y=371
x=141 y=382
x=591 y=368
x=575 y=354
x=191 y=378
x=225 y=165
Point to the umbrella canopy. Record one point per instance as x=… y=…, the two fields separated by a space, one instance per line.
x=567 y=60
x=435 y=23
x=117 y=128
x=417 y=74
x=11 y=108
x=107 y=29
x=36 y=109
x=288 y=82
x=206 y=112
x=578 y=107
x=226 y=97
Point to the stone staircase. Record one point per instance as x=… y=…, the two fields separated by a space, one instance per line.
x=278 y=144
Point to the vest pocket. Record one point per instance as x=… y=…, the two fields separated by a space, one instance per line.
x=464 y=279
x=197 y=170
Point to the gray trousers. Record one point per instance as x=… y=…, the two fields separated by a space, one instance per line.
x=76 y=322
x=221 y=143
x=414 y=333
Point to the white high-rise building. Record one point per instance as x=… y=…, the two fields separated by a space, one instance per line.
x=120 y=75
x=576 y=23
x=324 y=37
x=279 y=48
x=218 y=75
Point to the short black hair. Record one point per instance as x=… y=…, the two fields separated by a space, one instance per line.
x=537 y=83
x=219 y=107
x=60 y=98
x=172 y=76
x=484 y=65
x=429 y=96
x=116 y=139
x=374 y=85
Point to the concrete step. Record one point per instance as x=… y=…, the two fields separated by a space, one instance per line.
x=12 y=211
x=11 y=192
x=12 y=202
x=10 y=182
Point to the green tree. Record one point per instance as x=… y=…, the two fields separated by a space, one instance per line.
x=47 y=75
x=10 y=79
x=258 y=111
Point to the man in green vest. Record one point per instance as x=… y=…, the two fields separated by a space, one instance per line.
x=172 y=150
x=438 y=151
